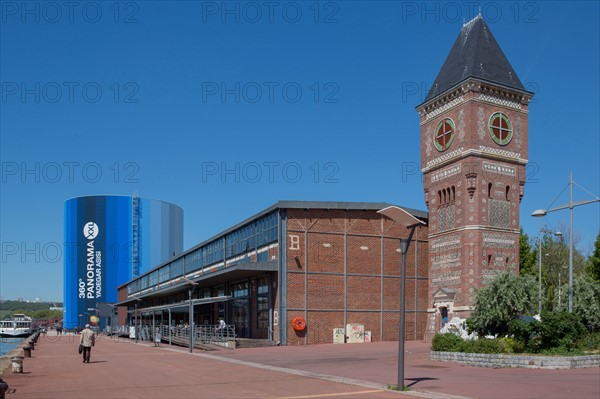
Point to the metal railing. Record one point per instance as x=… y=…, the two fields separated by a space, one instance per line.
x=204 y=334
x=213 y=333
x=117 y=330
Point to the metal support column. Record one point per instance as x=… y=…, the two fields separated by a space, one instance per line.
x=170 y=326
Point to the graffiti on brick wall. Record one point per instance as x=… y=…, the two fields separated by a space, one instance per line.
x=355 y=333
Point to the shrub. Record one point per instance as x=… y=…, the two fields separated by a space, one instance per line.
x=525 y=334
x=510 y=345
x=485 y=345
x=447 y=343
x=453 y=343
x=560 y=351
x=560 y=330
x=518 y=347
x=590 y=343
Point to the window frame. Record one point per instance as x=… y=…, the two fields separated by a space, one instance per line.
x=437 y=136
x=500 y=116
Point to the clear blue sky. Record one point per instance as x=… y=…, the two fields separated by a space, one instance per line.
x=142 y=97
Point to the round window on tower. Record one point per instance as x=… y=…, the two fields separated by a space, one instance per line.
x=444 y=134
x=500 y=128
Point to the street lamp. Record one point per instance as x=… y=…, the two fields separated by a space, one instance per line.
x=191 y=310
x=570 y=206
x=407 y=220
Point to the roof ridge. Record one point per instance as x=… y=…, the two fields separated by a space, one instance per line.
x=471 y=22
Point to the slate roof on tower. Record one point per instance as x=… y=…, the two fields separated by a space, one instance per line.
x=475 y=54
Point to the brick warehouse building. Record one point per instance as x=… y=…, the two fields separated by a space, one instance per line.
x=473 y=154
x=338 y=263
x=331 y=263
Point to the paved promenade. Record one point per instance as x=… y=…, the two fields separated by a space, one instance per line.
x=123 y=369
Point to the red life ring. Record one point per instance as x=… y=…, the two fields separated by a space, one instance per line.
x=299 y=323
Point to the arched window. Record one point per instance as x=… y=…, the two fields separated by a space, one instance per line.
x=507 y=192
x=490 y=190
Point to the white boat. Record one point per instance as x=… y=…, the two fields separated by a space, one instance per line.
x=18 y=326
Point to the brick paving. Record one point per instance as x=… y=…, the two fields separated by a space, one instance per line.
x=122 y=369
x=377 y=363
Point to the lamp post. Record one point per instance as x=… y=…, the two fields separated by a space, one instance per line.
x=191 y=310
x=557 y=233
x=137 y=329
x=570 y=206
x=112 y=317
x=407 y=220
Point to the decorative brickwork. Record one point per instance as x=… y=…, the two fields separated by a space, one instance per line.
x=518 y=131
x=461 y=125
x=428 y=141
x=446 y=217
x=499 y=100
x=481 y=123
x=445 y=107
x=499 y=213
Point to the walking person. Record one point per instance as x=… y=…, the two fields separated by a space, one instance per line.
x=157 y=337
x=88 y=339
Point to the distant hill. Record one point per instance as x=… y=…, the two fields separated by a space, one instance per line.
x=36 y=310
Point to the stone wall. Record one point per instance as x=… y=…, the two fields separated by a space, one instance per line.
x=527 y=361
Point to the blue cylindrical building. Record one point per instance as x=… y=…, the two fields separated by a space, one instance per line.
x=108 y=241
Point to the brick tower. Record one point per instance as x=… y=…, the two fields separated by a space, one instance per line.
x=473 y=157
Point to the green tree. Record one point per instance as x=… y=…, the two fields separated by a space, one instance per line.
x=593 y=264
x=586 y=300
x=527 y=255
x=504 y=298
x=46 y=314
x=555 y=269
x=9 y=308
